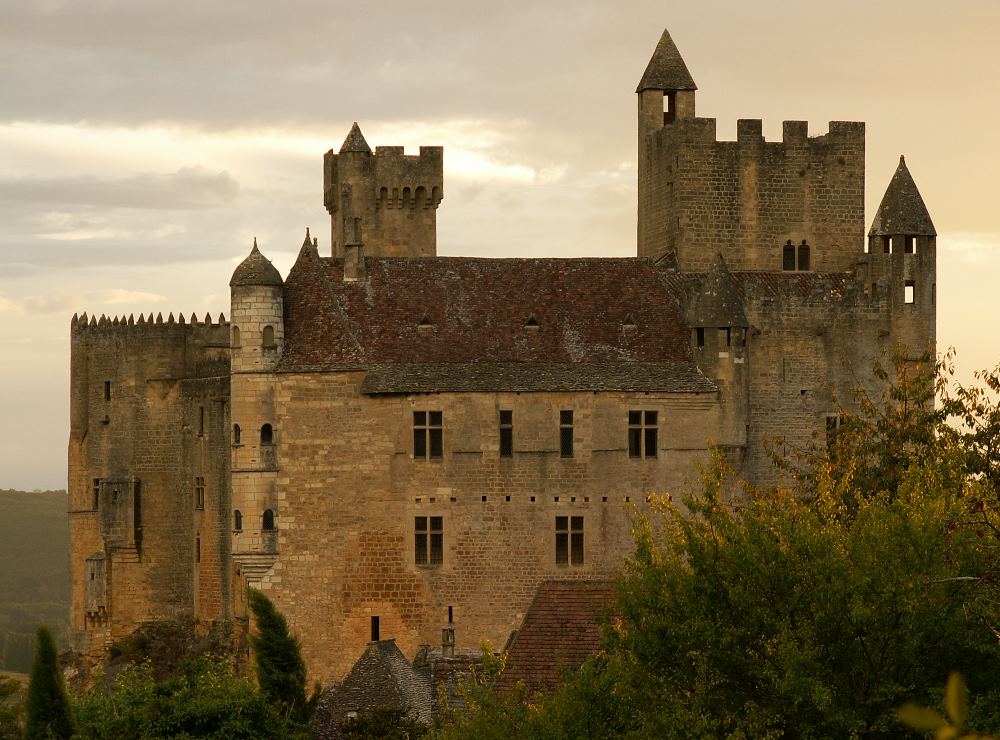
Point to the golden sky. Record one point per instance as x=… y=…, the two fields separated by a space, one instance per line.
x=145 y=143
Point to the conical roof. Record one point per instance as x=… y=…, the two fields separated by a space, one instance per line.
x=718 y=303
x=666 y=69
x=256 y=269
x=355 y=141
x=902 y=210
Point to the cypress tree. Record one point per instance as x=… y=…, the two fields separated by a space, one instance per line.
x=48 y=709
x=281 y=672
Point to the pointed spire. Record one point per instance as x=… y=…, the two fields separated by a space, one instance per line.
x=222 y=318
x=194 y=318
x=141 y=319
x=256 y=269
x=180 y=317
x=131 y=319
x=902 y=210
x=308 y=240
x=355 y=141
x=208 y=318
x=666 y=69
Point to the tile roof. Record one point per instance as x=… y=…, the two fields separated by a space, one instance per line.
x=560 y=629
x=902 y=210
x=610 y=315
x=256 y=269
x=666 y=69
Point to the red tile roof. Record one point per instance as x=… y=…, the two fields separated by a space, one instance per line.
x=561 y=628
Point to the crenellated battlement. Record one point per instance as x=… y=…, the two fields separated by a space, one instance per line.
x=384 y=201
x=750 y=131
x=83 y=322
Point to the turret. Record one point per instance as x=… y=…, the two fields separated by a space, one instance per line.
x=258 y=333
x=902 y=262
x=387 y=200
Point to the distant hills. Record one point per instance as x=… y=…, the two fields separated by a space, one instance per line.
x=34 y=572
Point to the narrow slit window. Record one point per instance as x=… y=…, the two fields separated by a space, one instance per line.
x=803 y=255
x=199 y=492
x=197 y=549
x=909 y=292
x=788 y=256
x=107 y=390
x=236 y=434
x=238 y=520
x=699 y=337
x=236 y=336
x=886 y=245
x=201 y=421
x=428 y=435
x=566 y=433
x=96 y=492
x=506 y=434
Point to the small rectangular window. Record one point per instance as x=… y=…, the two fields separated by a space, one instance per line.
x=788 y=257
x=506 y=434
x=199 y=492
x=909 y=292
x=886 y=245
x=107 y=390
x=566 y=434
x=725 y=336
x=201 y=421
x=197 y=550
x=910 y=245
x=569 y=540
x=428 y=540
x=642 y=433
x=428 y=442
x=699 y=336
x=96 y=491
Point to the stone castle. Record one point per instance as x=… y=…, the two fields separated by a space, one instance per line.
x=385 y=437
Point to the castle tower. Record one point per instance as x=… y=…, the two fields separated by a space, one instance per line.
x=666 y=93
x=902 y=262
x=257 y=337
x=387 y=200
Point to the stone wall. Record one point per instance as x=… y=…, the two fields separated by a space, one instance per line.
x=349 y=490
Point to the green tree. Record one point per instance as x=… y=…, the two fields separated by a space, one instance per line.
x=281 y=672
x=47 y=705
x=206 y=700
x=10 y=709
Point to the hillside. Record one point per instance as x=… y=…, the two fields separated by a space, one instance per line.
x=34 y=582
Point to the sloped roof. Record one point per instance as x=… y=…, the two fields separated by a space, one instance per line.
x=355 y=141
x=902 y=210
x=666 y=69
x=256 y=269
x=560 y=629
x=451 y=323
x=381 y=678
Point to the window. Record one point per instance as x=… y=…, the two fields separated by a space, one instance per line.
x=107 y=390
x=238 y=520
x=565 y=434
x=909 y=245
x=428 y=540
x=96 y=490
x=642 y=429
x=199 y=492
x=699 y=336
x=803 y=255
x=569 y=540
x=201 y=421
x=197 y=549
x=266 y=435
x=886 y=245
x=236 y=434
x=788 y=256
x=267 y=521
x=375 y=630
x=427 y=434
x=236 y=336
x=267 y=340
x=725 y=336
x=909 y=292
x=506 y=434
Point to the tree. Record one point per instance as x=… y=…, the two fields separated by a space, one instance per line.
x=281 y=672
x=47 y=704
x=10 y=709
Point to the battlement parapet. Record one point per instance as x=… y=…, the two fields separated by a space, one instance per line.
x=751 y=131
x=83 y=323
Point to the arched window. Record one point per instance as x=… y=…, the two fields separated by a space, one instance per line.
x=236 y=434
x=236 y=336
x=267 y=523
x=788 y=256
x=803 y=255
x=268 y=339
x=266 y=435
x=238 y=520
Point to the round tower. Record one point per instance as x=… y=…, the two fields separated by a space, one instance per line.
x=257 y=339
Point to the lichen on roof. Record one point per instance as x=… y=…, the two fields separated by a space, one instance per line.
x=666 y=69
x=355 y=141
x=902 y=210
x=256 y=269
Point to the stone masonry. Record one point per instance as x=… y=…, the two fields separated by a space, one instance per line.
x=388 y=436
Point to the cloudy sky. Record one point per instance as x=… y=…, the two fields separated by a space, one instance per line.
x=143 y=144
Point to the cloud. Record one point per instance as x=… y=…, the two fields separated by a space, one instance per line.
x=117 y=296
x=188 y=188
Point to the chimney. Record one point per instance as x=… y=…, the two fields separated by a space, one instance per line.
x=375 y=636
x=354 y=250
x=448 y=637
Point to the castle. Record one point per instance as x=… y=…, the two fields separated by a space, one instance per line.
x=385 y=437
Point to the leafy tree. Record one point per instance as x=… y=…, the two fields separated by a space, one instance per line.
x=281 y=672
x=390 y=724
x=47 y=704
x=207 y=700
x=10 y=709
